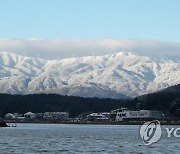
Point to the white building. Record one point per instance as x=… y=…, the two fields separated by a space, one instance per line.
x=10 y=116
x=124 y=114
x=30 y=115
x=15 y=116
x=98 y=117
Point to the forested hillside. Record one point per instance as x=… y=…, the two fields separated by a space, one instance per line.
x=167 y=101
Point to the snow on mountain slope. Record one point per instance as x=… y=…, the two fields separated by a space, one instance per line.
x=114 y=76
x=15 y=65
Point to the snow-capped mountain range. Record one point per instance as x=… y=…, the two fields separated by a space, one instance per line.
x=114 y=76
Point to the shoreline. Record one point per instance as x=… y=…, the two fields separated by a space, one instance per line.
x=92 y=123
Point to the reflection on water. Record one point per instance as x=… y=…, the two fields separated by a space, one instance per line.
x=62 y=138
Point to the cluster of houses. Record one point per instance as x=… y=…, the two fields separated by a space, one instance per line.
x=118 y=115
x=61 y=116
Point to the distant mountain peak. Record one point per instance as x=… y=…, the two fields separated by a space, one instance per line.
x=114 y=75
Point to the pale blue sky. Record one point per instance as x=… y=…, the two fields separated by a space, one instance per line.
x=117 y=19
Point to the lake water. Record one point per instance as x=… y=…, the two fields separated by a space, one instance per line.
x=67 y=139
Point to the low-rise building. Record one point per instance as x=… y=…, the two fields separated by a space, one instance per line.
x=124 y=114
x=63 y=116
x=15 y=116
x=10 y=116
x=30 y=115
x=98 y=117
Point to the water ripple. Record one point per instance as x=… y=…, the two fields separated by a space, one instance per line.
x=67 y=139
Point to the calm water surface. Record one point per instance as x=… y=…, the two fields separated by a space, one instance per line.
x=67 y=139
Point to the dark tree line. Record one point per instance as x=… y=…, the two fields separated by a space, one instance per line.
x=52 y=102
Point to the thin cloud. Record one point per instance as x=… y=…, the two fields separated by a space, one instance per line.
x=53 y=48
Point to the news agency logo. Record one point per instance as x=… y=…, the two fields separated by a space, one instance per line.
x=151 y=132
